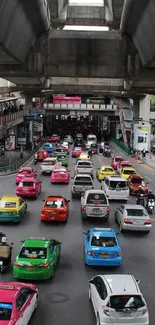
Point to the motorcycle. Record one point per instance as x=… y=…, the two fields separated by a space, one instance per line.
x=35 y=160
x=141 y=200
x=150 y=206
x=5 y=257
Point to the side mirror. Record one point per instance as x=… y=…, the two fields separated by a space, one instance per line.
x=91 y=281
x=12 y=244
x=84 y=232
x=22 y=241
x=40 y=182
x=118 y=233
x=43 y=200
x=138 y=281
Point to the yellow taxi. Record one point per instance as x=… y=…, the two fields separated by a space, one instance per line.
x=127 y=172
x=84 y=156
x=104 y=171
x=12 y=208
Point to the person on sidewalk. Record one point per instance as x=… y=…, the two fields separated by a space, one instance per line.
x=144 y=153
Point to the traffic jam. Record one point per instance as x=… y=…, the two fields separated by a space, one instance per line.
x=116 y=298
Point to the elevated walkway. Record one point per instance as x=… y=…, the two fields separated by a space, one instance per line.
x=126 y=119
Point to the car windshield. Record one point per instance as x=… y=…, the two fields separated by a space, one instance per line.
x=47 y=145
x=135 y=212
x=62 y=157
x=5 y=311
x=107 y=170
x=27 y=184
x=117 y=184
x=50 y=162
x=77 y=149
x=60 y=150
x=118 y=159
x=97 y=198
x=91 y=138
x=25 y=172
x=54 y=204
x=137 y=180
x=120 y=302
x=125 y=165
x=33 y=252
x=129 y=172
x=84 y=163
x=103 y=241
x=9 y=204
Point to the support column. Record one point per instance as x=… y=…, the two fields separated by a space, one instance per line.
x=142 y=108
x=136 y=108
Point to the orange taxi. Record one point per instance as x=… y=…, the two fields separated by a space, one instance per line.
x=42 y=154
x=55 y=208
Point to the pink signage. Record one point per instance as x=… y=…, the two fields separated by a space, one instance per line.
x=66 y=100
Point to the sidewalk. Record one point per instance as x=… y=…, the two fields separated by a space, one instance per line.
x=10 y=158
x=149 y=160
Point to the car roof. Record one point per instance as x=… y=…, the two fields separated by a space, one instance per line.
x=105 y=232
x=77 y=148
x=8 y=290
x=126 y=162
x=133 y=206
x=106 y=166
x=115 y=178
x=25 y=168
x=36 y=242
x=113 y=157
x=49 y=159
x=60 y=168
x=10 y=198
x=96 y=191
x=28 y=179
x=121 y=283
x=84 y=161
x=83 y=175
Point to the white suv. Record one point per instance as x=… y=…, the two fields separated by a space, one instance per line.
x=117 y=300
x=48 y=165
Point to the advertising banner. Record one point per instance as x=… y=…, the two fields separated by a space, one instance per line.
x=141 y=138
x=10 y=142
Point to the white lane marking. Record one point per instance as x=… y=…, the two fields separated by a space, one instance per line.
x=147 y=178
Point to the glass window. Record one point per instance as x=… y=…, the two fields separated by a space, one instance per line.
x=5 y=311
x=84 y=163
x=118 y=159
x=117 y=184
x=24 y=172
x=126 y=301
x=107 y=170
x=135 y=212
x=59 y=171
x=33 y=252
x=140 y=139
x=27 y=184
x=129 y=172
x=103 y=241
x=96 y=198
x=5 y=204
x=137 y=180
x=54 y=204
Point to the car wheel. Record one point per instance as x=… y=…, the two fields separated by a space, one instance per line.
x=97 y=319
x=120 y=228
x=89 y=295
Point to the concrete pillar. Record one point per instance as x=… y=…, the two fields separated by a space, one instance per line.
x=142 y=108
x=136 y=107
x=28 y=101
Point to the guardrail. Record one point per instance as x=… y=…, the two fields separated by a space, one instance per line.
x=14 y=167
x=120 y=145
x=12 y=117
x=80 y=107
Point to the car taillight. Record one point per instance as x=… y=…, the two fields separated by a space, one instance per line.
x=18 y=264
x=76 y=170
x=43 y=266
x=148 y=222
x=144 y=310
x=127 y=221
x=84 y=209
x=108 y=209
x=41 y=166
x=73 y=187
x=106 y=310
x=117 y=254
x=91 y=253
x=92 y=170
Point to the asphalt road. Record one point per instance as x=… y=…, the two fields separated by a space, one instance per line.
x=64 y=300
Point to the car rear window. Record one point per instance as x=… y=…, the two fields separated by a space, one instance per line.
x=62 y=157
x=5 y=204
x=120 y=302
x=137 y=180
x=27 y=184
x=129 y=172
x=118 y=184
x=96 y=198
x=25 y=172
x=107 y=169
x=60 y=150
x=52 y=162
x=54 y=204
x=60 y=171
x=33 y=252
x=84 y=163
x=103 y=241
x=135 y=212
x=5 y=311
x=83 y=180
x=118 y=159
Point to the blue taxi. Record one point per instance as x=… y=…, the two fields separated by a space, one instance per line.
x=102 y=247
x=48 y=147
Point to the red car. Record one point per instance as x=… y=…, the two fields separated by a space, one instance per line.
x=18 y=301
x=54 y=138
x=115 y=161
x=134 y=181
x=76 y=152
x=42 y=154
x=25 y=172
x=123 y=164
x=29 y=187
x=55 y=208
x=60 y=175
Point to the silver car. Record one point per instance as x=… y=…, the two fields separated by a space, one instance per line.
x=81 y=183
x=117 y=300
x=68 y=138
x=84 y=167
x=94 y=203
x=133 y=217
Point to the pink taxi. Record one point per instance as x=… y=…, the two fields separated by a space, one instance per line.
x=66 y=146
x=60 y=175
x=25 y=172
x=29 y=187
x=76 y=152
x=116 y=161
x=123 y=164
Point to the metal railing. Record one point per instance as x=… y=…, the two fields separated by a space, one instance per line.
x=12 y=117
x=14 y=167
x=80 y=107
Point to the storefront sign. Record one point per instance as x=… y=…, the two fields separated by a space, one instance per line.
x=10 y=142
x=21 y=141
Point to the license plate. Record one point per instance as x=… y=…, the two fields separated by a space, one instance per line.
x=125 y=314
x=1 y=262
x=138 y=222
x=105 y=255
x=52 y=212
x=96 y=212
x=30 y=267
x=118 y=189
x=52 y=218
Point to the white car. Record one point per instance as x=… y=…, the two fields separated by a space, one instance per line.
x=49 y=164
x=117 y=300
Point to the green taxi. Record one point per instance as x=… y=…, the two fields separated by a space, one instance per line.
x=37 y=259
x=61 y=157
x=12 y=208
